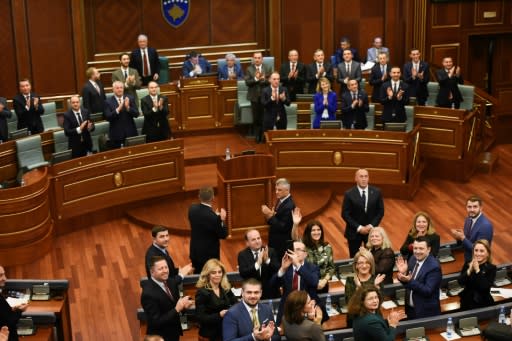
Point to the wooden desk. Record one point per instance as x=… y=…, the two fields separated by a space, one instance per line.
x=61 y=310
x=43 y=333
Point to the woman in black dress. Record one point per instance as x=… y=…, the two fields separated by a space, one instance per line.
x=422 y=226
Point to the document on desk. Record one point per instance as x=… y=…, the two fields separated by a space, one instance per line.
x=389 y=304
x=454 y=336
x=505 y=293
x=15 y=302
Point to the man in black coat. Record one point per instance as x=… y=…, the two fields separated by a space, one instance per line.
x=155 y=109
x=145 y=60
x=9 y=316
x=362 y=210
x=293 y=75
x=28 y=108
x=208 y=227
x=394 y=96
x=274 y=98
x=93 y=93
x=449 y=78
x=5 y=114
x=77 y=127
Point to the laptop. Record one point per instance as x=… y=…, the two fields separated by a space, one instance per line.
x=330 y=124
x=445 y=255
x=469 y=326
x=40 y=292
x=501 y=278
x=400 y=296
x=454 y=288
x=26 y=326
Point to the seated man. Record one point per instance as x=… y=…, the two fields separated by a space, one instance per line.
x=394 y=96
x=374 y=51
x=195 y=65
x=230 y=70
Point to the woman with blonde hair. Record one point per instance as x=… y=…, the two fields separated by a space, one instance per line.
x=383 y=254
x=422 y=226
x=213 y=299
x=325 y=102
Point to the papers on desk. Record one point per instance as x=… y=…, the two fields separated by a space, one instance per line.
x=332 y=312
x=367 y=66
x=454 y=336
x=334 y=278
x=389 y=305
x=15 y=302
x=505 y=293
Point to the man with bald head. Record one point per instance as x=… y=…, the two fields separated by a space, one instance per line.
x=260 y=262
x=362 y=210
x=9 y=316
x=293 y=75
x=77 y=127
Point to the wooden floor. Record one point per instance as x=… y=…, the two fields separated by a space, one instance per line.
x=105 y=262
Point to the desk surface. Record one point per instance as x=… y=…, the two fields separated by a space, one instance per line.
x=43 y=333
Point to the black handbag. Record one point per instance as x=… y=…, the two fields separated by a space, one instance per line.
x=497 y=332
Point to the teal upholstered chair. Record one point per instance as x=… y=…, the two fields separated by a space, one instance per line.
x=243 y=111
x=370 y=117
x=433 y=90
x=141 y=93
x=291 y=116
x=409 y=112
x=468 y=94
x=30 y=154
x=60 y=141
x=163 y=75
x=269 y=61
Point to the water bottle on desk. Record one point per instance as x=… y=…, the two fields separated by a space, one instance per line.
x=501 y=317
x=330 y=338
x=328 y=303
x=449 y=328
x=228 y=153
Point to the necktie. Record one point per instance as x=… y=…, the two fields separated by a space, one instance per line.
x=27 y=98
x=96 y=87
x=255 y=256
x=125 y=74
x=319 y=66
x=276 y=94
x=145 y=65
x=415 y=270
x=79 y=117
x=354 y=97
x=168 y=291
x=348 y=69
x=395 y=88
x=363 y=198
x=295 y=281
x=382 y=69
x=293 y=67
x=120 y=100
x=254 y=318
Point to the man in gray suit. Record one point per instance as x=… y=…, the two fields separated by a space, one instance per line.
x=128 y=76
x=347 y=70
x=257 y=78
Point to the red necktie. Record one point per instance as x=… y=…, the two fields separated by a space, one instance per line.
x=295 y=281
x=145 y=67
x=168 y=291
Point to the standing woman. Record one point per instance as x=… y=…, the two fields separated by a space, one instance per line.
x=319 y=253
x=422 y=226
x=369 y=325
x=213 y=299
x=477 y=278
x=383 y=254
x=325 y=102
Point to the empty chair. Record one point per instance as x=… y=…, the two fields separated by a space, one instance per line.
x=100 y=130
x=12 y=123
x=291 y=116
x=445 y=255
x=409 y=112
x=50 y=122
x=468 y=96
x=370 y=117
x=60 y=141
x=139 y=123
x=415 y=333
x=163 y=76
x=30 y=154
x=269 y=61
x=50 y=108
x=141 y=93
x=433 y=90
x=243 y=112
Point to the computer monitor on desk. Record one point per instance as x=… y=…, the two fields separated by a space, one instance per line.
x=330 y=124
x=135 y=140
x=395 y=126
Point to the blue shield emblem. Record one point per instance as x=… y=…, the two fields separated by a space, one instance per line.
x=175 y=12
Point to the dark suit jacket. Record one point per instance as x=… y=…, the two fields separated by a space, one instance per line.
x=425 y=288
x=156 y=127
x=417 y=87
x=118 y=75
x=477 y=286
x=223 y=72
x=162 y=318
x=355 y=73
x=254 y=87
x=339 y=55
x=306 y=330
x=81 y=143
x=435 y=241
x=376 y=80
x=394 y=109
x=372 y=327
x=481 y=230
x=384 y=263
x=122 y=124
x=154 y=62
x=446 y=86
x=4 y=115
x=30 y=118
x=237 y=323
x=9 y=318
x=264 y=274
x=311 y=75
x=153 y=251
x=275 y=112
x=332 y=106
x=208 y=306
x=357 y=115
x=294 y=85
x=205 y=65
x=91 y=99
x=353 y=210
x=280 y=227
x=207 y=229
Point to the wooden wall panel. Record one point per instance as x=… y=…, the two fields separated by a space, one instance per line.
x=230 y=23
x=438 y=52
x=446 y=15
x=489 y=12
x=8 y=86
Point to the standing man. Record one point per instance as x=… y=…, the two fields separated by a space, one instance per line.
x=260 y=262
x=318 y=69
x=476 y=226
x=93 y=94
x=354 y=106
x=145 y=60
x=293 y=75
x=195 y=65
x=348 y=69
x=128 y=76
x=155 y=109
x=208 y=227
x=120 y=110
x=158 y=248
x=274 y=98
x=417 y=76
x=28 y=108
x=373 y=52
x=9 y=316
x=78 y=127
x=422 y=283
x=162 y=303
x=379 y=75
x=280 y=218
x=362 y=210
x=345 y=45
x=5 y=114
x=256 y=79
x=449 y=78
x=250 y=320
x=394 y=96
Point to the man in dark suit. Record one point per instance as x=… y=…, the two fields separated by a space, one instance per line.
x=379 y=75
x=77 y=127
x=230 y=70
x=354 y=106
x=5 y=114
x=208 y=227
x=155 y=109
x=274 y=98
x=362 y=210
x=249 y=320
x=162 y=303
x=280 y=218
x=120 y=110
x=195 y=65
x=128 y=76
x=28 y=108
x=259 y=262
x=158 y=248
x=348 y=69
x=293 y=75
x=417 y=76
x=394 y=97
x=93 y=94
x=422 y=283
x=256 y=79
x=9 y=316
x=476 y=226
x=345 y=45
x=145 y=60
x=318 y=69
x=449 y=78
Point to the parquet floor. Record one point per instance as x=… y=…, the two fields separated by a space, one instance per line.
x=105 y=262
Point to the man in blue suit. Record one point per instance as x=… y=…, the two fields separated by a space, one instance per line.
x=195 y=65
x=422 y=283
x=476 y=226
x=230 y=70
x=249 y=320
